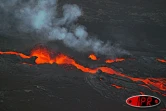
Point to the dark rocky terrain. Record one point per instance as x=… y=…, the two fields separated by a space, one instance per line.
x=137 y=26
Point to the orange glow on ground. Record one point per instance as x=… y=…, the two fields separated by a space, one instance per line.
x=161 y=60
x=116 y=86
x=115 y=60
x=92 y=57
x=16 y=53
x=44 y=56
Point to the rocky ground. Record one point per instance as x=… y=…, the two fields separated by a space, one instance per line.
x=137 y=26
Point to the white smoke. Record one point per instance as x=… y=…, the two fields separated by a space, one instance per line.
x=42 y=16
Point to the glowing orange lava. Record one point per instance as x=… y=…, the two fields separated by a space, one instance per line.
x=44 y=56
x=16 y=53
x=92 y=57
x=115 y=60
x=161 y=60
x=116 y=86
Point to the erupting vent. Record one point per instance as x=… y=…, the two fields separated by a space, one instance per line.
x=44 y=57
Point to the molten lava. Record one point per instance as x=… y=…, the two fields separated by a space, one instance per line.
x=161 y=60
x=116 y=86
x=92 y=57
x=44 y=56
x=16 y=53
x=115 y=60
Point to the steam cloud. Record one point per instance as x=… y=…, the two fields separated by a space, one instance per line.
x=42 y=16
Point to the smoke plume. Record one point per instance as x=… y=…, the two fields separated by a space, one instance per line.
x=42 y=16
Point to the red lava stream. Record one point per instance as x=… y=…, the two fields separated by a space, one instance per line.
x=43 y=56
x=162 y=60
x=116 y=60
x=116 y=86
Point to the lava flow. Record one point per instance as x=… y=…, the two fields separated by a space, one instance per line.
x=16 y=53
x=161 y=60
x=115 y=60
x=116 y=86
x=44 y=56
x=92 y=57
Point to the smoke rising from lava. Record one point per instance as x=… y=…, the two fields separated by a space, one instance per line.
x=41 y=16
